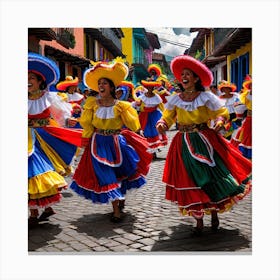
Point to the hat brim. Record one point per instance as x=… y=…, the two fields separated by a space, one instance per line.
x=65 y=84
x=116 y=72
x=150 y=83
x=232 y=87
x=181 y=62
x=43 y=66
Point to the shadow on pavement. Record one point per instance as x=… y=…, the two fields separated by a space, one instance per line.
x=100 y=226
x=66 y=194
x=40 y=235
x=181 y=239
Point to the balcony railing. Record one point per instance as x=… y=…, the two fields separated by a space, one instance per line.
x=65 y=37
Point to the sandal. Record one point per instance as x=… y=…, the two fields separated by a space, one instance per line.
x=46 y=214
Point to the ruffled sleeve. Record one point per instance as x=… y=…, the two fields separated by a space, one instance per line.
x=246 y=99
x=60 y=109
x=87 y=117
x=128 y=115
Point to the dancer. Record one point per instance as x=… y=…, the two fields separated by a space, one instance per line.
x=69 y=88
x=50 y=146
x=150 y=111
x=203 y=173
x=154 y=71
x=242 y=138
x=115 y=160
x=230 y=97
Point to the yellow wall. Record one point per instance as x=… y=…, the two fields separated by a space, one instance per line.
x=127 y=47
x=239 y=52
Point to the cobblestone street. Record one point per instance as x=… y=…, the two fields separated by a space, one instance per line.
x=150 y=224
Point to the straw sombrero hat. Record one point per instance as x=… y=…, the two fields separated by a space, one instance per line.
x=44 y=67
x=226 y=84
x=116 y=71
x=69 y=81
x=181 y=62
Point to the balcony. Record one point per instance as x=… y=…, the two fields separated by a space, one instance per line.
x=65 y=37
x=47 y=34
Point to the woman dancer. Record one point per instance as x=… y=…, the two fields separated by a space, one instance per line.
x=115 y=160
x=203 y=173
x=50 y=146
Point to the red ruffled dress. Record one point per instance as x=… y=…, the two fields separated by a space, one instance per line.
x=203 y=171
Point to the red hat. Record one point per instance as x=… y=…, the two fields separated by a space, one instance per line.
x=181 y=62
x=69 y=81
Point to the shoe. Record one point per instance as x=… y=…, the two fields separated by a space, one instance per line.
x=45 y=215
x=32 y=222
x=215 y=224
x=115 y=219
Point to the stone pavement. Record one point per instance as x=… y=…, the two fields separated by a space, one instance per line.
x=150 y=224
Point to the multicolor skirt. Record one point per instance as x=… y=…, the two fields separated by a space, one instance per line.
x=49 y=160
x=112 y=165
x=242 y=138
x=204 y=172
x=148 y=120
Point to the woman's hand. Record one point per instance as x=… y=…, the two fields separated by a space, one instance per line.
x=161 y=128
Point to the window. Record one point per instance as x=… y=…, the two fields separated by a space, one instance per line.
x=239 y=69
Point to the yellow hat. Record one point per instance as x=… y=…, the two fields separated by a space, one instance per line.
x=226 y=84
x=116 y=71
x=69 y=81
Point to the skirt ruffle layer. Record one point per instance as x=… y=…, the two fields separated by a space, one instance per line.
x=148 y=122
x=105 y=174
x=242 y=138
x=204 y=172
x=48 y=160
